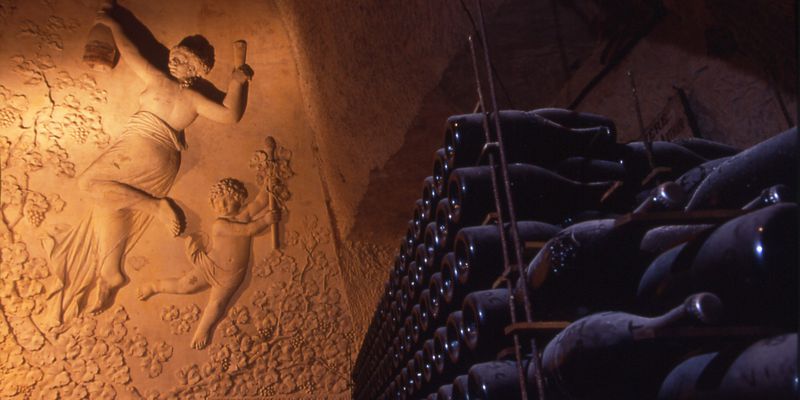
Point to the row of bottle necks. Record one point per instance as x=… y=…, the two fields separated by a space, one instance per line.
x=402 y=292
x=758 y=369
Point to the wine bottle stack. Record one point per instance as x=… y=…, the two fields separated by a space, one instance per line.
x=648 y=268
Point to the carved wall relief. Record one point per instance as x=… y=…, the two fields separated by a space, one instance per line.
x=286 y=331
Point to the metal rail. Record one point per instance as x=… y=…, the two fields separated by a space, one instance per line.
x=497 y=146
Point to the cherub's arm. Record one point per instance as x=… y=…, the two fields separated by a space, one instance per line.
x=252 y=228
x=232 y=107
x=255 y=208
x=128 y=51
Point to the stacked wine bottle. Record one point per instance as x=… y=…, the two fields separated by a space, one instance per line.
x=653 y=270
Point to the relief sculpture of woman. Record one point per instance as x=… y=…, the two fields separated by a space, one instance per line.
x=128 y=183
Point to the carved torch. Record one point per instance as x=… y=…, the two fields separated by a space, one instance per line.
x=239 y=53
x=272 y=178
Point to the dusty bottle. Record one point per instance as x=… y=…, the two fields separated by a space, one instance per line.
x=527 y=137
x=445 y=368
x=498 y=380
x=420 y=380
x=441 y=170
x=574 y=119
x=436 y=234
x=423 y=264
x=447 y=342
x=410 y=237
x=613 y=355
x=769 y=196
x=582 y=169
x=423 y=316
x=429 y=200
x=485 y=314
x=767 y=369
x=445 y=392
x=479 y=257
x=436 y=305
x=707 y=148
x=692 y=178
x=750 y=262
x=461 y=388
x=415 y=323
x=589 y=266
x=403 y=383
x=743 y=176
x=633 y=157
x=411 y=377
x=537 y=193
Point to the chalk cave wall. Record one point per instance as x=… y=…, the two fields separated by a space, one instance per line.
x=287 y=332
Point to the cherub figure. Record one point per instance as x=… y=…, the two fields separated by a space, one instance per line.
x=223 y=267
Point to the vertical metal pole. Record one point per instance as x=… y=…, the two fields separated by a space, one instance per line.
x=512 y=215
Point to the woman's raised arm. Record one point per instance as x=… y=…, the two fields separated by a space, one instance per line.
x=128 y=51
x=232 y=107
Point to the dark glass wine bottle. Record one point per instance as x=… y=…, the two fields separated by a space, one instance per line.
x=743 y=176
x=410 y=377
x=769 y=196
x=402 y=383
x=616 y=355
x=664 y=197
x=692 y=178
x=499 y=380
x=410 y=237
x=538 y=195
x=479 y=257
x=708 y=149
x=420 y=379
x=423 y=265
x=582 y=169
x=461 y=388
x=589 y=266
x=417 y=321
x=575 y=119
x=633 y=158
x=485 y=314
x=766 y=369
x=439 y=353
x=443 y=219
x=441 y=170
x=750 y=262
x=445 y=392
x=411 y=331
x=456 y=351
x=429 y=199
x=407 y=294
x=663 y=238
x=424 y=316
x=446 y=346
x=436 y=305
x=527 y=138
x=398 y=349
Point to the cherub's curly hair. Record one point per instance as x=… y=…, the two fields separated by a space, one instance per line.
x=229 y=187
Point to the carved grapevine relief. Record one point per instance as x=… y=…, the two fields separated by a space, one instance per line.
x=49 y=33
x=290 y=339
x=180 y=320
x=288 y=335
